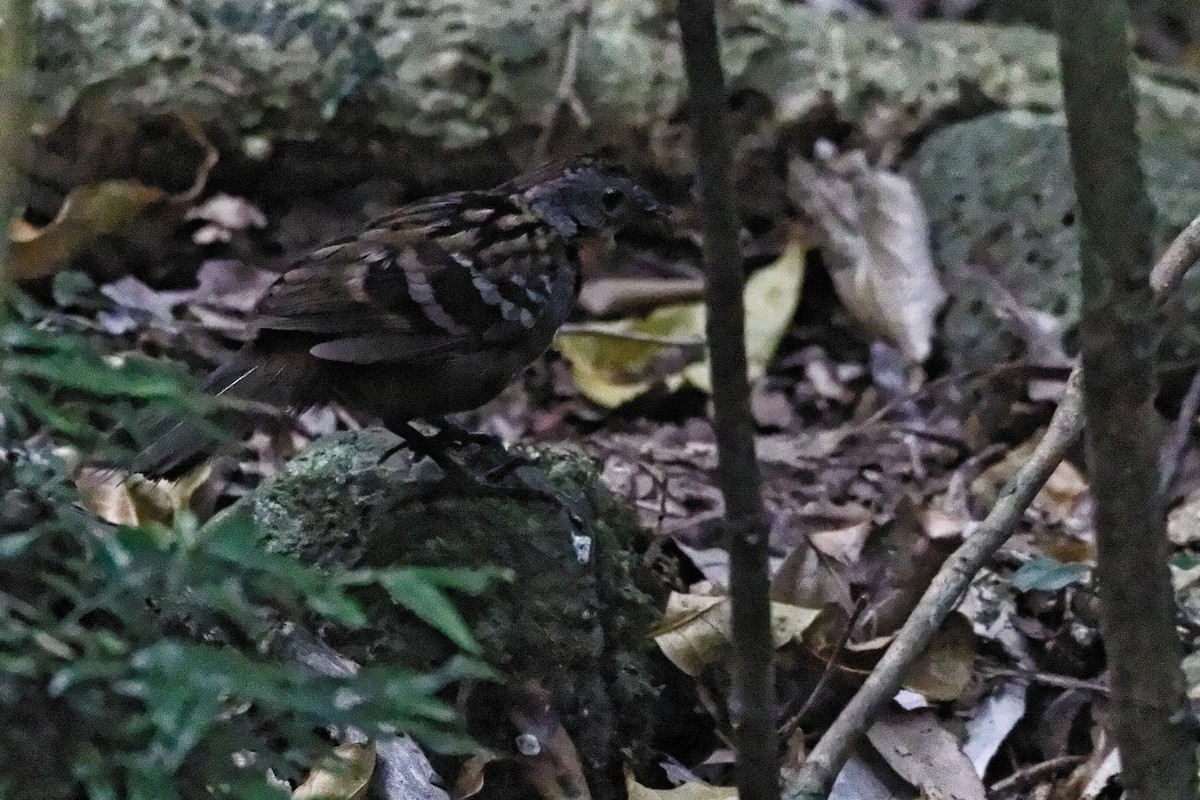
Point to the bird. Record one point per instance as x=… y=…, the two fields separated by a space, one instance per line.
x=432 y=309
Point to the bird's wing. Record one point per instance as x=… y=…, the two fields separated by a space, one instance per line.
x=398 y=293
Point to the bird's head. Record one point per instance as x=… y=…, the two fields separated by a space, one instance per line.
x=588 y=196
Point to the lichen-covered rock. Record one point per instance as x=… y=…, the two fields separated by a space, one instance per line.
x=455 y=74
x=1001 y=202
x=574 y=620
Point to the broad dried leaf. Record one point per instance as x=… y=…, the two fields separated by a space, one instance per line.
x=843 y=543
x=1060 y=499
x=696 y=629
x=876 y=243
x=614 y=362
x=545 y=751
x=926 y=755
x=100 y=207
x=807 y=580
x=345 y=775
x=943 y=672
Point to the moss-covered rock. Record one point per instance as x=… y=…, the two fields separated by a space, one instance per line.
x=1001 y=202
x=574 y=621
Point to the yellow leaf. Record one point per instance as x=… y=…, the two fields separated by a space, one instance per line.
x=696 y=628
x=88 y=212
x=135 y=499
x=614 y=362
x=770 y=299
x=688 y=791
x=343 y=776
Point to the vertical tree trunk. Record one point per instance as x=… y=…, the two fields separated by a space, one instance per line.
x=1150 y=717
x=753 y=701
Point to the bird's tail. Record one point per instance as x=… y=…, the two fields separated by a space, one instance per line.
x=179 y=443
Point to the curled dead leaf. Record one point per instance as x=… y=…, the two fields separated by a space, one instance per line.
x=88 y=213
x=135 y=499
x=100 y=207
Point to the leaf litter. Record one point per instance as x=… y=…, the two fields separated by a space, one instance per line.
x=873 y=473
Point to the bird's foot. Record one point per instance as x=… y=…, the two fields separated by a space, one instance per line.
x=451 y=432
x=504 y=477
x=441 y=448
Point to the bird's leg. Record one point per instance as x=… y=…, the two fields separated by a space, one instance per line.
x=460 y=479
x=450 y=432
x=422 y=445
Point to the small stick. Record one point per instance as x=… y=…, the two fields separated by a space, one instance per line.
x=788 y=727
x=565 y=95
x=1034 y=774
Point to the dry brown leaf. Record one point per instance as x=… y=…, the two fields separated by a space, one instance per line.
x=470 y=779
x=944 y=670
x=549 y=758
x=88 y=213
x=844 y=544
x=808 y=580
x=1060 y=497
x=1062 y=493
x=926 y=755
x=95 y=209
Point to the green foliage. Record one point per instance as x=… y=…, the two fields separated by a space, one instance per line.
x=149 y=662
x=1044 y=574
x=55 y=375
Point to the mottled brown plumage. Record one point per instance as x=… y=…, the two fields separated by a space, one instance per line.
x=433 y=309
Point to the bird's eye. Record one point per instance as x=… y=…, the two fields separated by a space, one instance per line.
x=611 y=199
